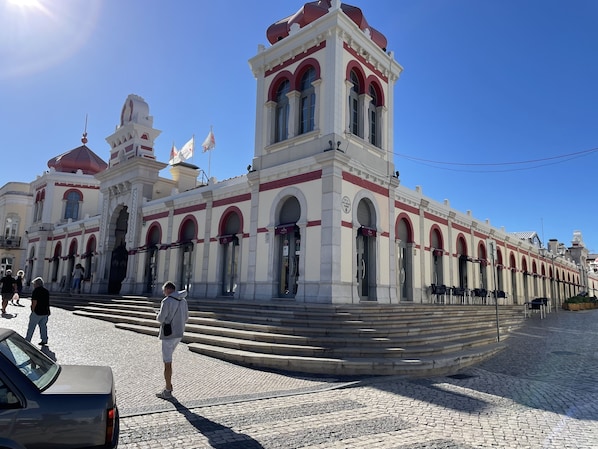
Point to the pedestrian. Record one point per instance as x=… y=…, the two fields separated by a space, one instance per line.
x=9 y=288
x=40 y=311
x=78 y=273
x=19 y=281
x=173 y=314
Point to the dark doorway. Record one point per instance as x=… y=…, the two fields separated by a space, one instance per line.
x=120 y=255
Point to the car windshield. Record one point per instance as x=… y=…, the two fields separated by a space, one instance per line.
x=35 y=365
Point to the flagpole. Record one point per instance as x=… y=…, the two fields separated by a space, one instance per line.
x=193 y=146
x=209 y=157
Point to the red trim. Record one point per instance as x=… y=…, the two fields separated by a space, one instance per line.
x=361 y=59
x=293 y=180
x=385 y=234
x=129 y=148
x=188 y=209
x=368 y=185
x=232 y=200
x=262 y=230
x=458 y=227
x=435 y=218
x=288 y=62
x=155 y=216
x=314 y=223
x=64 y=197
x=406 y=207
x=347 y=224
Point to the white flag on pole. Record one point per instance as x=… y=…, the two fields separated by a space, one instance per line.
x=174 y=156
x=209 y=143
x=187 y=150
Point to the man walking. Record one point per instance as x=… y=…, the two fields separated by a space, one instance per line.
x=9 y=288
x=172 y=317
x=40 y=310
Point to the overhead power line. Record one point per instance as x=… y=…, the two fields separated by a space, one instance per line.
x=540 y=162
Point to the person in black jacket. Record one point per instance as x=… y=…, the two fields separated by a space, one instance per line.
x=9 y=287
x=40 y=310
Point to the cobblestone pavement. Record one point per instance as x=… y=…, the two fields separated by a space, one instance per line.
x=540 y=393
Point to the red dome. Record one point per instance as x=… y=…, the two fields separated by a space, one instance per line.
x=313 y=11
x=81 y=158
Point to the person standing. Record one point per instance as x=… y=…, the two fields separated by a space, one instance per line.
x=40 y=311
x=19 y=281
x=9 y=288
x=174 y=310
x=77 y=276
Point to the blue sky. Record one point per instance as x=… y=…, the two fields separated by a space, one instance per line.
x=484 y=82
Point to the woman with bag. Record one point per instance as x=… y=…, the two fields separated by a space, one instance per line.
x=172 y=317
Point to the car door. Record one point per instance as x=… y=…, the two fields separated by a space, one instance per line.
x=11 y=403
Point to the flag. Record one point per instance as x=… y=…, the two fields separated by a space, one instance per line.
x=187 y=150
x=209 y=143
x=174 y=156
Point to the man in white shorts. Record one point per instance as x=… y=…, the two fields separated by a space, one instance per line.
x=174 y=311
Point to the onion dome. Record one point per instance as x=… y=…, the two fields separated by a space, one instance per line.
x=314 y=10
x=80 y=158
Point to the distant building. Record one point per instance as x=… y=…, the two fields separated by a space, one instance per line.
x=319 y=217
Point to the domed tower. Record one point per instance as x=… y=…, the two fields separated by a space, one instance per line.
x=324 y=154
x=131 y=174
x=325 y=83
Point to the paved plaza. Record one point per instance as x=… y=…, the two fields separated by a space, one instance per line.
x=540 y=393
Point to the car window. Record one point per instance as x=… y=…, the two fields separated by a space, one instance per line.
x=7 y=398
x=38 y=368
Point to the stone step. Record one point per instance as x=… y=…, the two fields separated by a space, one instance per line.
x=272 y=342
x=303 y=327
x=420 y=366
x=330 y=339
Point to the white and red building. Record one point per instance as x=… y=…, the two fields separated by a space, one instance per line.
x=319 y=217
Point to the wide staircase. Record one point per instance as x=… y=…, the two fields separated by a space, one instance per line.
x=364 y=339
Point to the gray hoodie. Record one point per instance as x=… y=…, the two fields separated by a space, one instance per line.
x=174 y=310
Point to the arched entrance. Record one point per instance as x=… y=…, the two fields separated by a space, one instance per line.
x=151 y=260
x=120 y=255
x=365 y=251
x=405 y=260
x=288 y=240
x=187 y=235
x=71 y=264
x=229 y=247
x=513 y=267
x=462 y=252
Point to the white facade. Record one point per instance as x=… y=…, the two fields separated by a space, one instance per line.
x=320 y=216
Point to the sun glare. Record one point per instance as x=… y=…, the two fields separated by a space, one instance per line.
x=26 y=3
x=38 y=34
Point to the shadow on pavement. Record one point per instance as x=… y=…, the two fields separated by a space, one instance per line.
x=549 y=364
x=219 y=436
x=51 y=354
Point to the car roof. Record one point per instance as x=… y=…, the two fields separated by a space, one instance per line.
x=5 y=332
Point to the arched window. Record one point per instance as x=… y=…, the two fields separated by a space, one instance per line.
x=71 y=209
x=281 y=130
x=308 y=101
x=373 y=116
x=355 y=124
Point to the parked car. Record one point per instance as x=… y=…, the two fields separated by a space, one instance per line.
x=50 y=406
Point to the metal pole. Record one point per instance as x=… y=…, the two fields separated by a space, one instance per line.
x=495 y=291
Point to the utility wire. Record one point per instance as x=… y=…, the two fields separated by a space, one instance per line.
x=562 y=158
x=531 y=161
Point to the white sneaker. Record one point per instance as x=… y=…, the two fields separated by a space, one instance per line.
x=164 y=394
